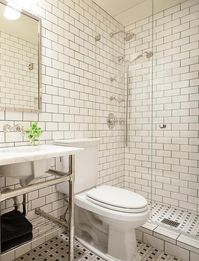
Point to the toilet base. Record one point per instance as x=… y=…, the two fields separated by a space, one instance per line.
x=101 y=254
x=108 y=238
x=122 y=243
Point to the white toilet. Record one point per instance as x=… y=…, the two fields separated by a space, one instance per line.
x=105 y=216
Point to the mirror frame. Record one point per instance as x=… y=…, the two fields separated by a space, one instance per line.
x=38 y=19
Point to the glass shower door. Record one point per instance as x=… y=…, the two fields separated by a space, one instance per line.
x=139 y=82
x=175 y=183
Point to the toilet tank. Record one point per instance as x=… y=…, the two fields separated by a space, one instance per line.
x=86 y=163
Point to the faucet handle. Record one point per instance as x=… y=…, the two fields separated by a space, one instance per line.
x=7 y=127
x=19 y=128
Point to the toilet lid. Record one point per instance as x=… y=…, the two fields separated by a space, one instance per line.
x=117 y=199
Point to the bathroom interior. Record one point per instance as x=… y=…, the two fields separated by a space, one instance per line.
x=99 y=130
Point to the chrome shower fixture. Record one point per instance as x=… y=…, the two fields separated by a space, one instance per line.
x=128 y=36
x=146 y=55
x=112 y=121
x=121 y=59
x=98 y=37
x=113 y=79
x=113 y=34
x=114 y=98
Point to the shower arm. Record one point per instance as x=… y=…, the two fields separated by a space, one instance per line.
x=113 y=34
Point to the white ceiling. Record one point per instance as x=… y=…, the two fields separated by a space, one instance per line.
x=115 y=7
x=130 y=11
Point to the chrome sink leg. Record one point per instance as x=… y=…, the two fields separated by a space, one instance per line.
x=71 y=208
x=24 y=204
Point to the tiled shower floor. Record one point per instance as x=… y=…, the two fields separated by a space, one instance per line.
x=189 y=222
x=56 y=249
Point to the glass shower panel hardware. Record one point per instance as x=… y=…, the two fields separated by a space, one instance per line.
x=138 y=128
x=113 y=79
x=98 y=37
x=162 y=126
x=111 y=121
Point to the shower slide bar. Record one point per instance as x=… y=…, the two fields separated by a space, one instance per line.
x=62 y=177
x=127 y=108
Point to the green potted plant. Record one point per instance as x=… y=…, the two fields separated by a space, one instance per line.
x=33 y=133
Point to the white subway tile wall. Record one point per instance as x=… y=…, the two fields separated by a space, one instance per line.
x=174 y=177
x=76 y=90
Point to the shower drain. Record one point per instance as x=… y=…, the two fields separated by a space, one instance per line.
x=170 y=222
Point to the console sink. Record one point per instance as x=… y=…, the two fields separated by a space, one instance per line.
x=25 y=149
x=28 y=163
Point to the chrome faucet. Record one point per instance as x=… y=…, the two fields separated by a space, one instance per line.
x=16 y=127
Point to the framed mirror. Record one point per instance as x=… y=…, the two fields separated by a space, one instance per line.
x=20 y=88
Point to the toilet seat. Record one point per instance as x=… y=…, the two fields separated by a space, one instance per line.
x=123 y=210
x=82 y=201
x=117 y=199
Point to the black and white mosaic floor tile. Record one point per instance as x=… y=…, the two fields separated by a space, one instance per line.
x=56 y=249
x=149 y=253
x=189 y=222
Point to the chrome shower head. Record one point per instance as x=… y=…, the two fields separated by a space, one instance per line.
x=145 y=55
x=128 y=36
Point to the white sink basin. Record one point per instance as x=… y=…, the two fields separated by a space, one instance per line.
x=26 y=171
x=28 y=163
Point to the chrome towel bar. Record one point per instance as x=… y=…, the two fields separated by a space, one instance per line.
x=23 y=190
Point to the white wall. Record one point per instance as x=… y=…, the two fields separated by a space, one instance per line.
x=175 y=179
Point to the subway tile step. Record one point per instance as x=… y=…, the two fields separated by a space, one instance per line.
x=171 y=241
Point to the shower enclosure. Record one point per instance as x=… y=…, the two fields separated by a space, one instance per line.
x=157 y=111
x=161 y=153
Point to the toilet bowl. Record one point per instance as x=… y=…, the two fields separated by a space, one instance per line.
x=105 y=216
x=123 y=211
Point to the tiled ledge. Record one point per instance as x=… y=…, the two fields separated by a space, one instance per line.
x=171 y=241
